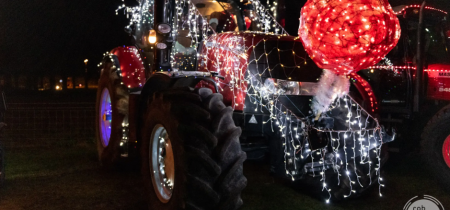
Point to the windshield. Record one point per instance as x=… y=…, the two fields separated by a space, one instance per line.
x=195 y=20
x=435 y=41
x=220 y=15
x=238 y=15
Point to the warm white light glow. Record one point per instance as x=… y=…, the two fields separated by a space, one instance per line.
x=152 y=37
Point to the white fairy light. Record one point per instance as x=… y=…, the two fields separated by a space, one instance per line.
x=227 y=54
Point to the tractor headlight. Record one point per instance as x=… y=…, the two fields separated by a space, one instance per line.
x=269 y=87
x=288 y=87
x=164 y=28
x=152 y=37
x=285 y=87
x=161 y=46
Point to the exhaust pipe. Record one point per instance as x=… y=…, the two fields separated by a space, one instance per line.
x=420 y=58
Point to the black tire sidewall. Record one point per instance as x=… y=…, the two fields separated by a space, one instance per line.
x=205 y=143
x=438 y=131
x=110 y=155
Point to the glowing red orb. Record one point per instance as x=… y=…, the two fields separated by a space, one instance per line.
x=346 y=36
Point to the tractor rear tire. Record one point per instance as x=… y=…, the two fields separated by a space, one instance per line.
x=203 y=160
x=435 y=146
x=109 y=85
x=2 y=167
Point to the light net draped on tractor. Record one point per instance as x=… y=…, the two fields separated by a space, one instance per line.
x=245 y=58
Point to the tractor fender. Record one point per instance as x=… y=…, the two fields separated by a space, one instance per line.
x=164 y=81
x=156 y=82
x=370 y=103
x=131 y=70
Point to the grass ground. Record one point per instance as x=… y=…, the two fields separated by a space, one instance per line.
x=67 y=176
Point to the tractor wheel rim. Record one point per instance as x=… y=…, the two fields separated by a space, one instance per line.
x=105 y=117
x=446 y=151
x=162 y=165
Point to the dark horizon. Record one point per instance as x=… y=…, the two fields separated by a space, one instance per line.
x=45 y=36
x=54 y=37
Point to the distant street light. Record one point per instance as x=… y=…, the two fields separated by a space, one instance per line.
x=85 y=73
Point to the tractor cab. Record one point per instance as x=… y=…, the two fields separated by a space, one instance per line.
x=176 y=30
x=195 y=22
x=393 y=79
x=182 y=26
x=436 y=37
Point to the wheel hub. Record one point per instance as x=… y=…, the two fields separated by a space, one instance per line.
x=446 y=151
x=162 y=167
x=105 y=116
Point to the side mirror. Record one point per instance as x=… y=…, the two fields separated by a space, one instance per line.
x=128 y=30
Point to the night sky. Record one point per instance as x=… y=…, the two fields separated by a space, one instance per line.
x=50 y=35
x=43 y=36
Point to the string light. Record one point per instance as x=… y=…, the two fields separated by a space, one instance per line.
x=345 y=36
x=418 y=6
x=138 y=15
x=242 y=58
x=223 y=54
x=408 y=67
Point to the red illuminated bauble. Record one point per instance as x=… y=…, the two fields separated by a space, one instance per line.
x=346 y=36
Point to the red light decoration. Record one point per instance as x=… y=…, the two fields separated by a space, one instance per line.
x=433 y=67
x=392 y=67
x=365 y=87
x=418 y=6
x=345 y=36
x=248 y=22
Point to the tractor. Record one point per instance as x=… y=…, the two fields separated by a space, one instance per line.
x=206 y=85
x=412 y=87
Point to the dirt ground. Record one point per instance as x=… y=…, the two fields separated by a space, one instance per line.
x=67 y=176
x=63 y=173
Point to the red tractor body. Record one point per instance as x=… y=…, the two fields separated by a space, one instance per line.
x=220 y=53
x=438 y=82
x=132 y=70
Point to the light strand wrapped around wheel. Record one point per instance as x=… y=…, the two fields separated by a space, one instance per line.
x=345 y=36
x=191 y=155
x=111 y=116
